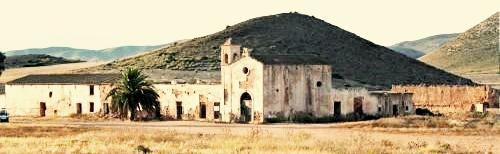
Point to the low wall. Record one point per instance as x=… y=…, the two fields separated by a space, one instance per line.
x=449 y=98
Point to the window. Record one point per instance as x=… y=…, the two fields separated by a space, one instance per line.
x=407 y=108
x=91 y=89
x=50 y=94
x=226 y=59
x=245 y=70
x=318 y=84
x=235 y=56
x=216 y=110
x=91 y=105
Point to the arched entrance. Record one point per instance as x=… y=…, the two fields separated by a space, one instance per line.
x=245 y=108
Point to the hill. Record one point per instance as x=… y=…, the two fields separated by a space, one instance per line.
x=35 y=60
x=351 y=56
x=476 y=51
x=85 y=54
x=420 y=47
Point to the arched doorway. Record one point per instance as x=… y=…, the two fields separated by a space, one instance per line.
x=245 y=108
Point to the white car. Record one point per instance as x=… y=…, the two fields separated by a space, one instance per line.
x=4 y=116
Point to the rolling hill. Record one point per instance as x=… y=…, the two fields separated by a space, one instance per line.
x=85 y=54
x=351 y=57
x=420 y=47
x=476 y=51
x=35 y=60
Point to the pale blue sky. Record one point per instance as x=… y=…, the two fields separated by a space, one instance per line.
x=97 y=24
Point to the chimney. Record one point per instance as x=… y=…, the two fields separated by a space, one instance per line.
x=247 y=52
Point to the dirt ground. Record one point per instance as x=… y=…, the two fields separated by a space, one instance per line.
x=484 y=141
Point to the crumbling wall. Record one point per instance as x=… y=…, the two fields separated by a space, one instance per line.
x=449 y=98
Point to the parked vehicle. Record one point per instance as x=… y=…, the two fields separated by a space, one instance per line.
x=4 y=116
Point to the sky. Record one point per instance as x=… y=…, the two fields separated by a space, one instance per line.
x=99 y=24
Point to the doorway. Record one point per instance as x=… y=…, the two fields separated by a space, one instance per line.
x=395 y=110
x=179 y=110
x=245 y=108
x=358 y=105
x=203 y=111
x=337 y=110
x=78 y=108
x=43 y=108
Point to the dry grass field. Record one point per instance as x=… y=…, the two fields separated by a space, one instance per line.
x=63 y=135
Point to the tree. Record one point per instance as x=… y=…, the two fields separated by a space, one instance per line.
x=133 y=93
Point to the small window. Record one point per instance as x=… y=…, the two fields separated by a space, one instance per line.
x=216 y=110
x=235 y=56
x=245 y=70
x=318 y=84
x=407 y=108
x=379 y=109
x=91 y=89
x=226 y=59
x=50 y=94
x=91 y=105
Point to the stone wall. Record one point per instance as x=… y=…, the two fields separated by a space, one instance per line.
x=190 y=97
x=290 y=89
x=60 y=100
x=449 y=98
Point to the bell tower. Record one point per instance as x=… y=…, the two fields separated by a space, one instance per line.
x=229 y=53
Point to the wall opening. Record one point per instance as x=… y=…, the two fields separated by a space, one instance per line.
x=216 y=110
x=179 y=110
x=50 y=94
x=43 y=107
x=318 y=84
x=395 y=110
x=235 y=56
x=358 y=105
x=203 y=110
x=245 y=70
x=337 y=109
x=78 y=108
x=245 y=108
x=226 y=59
x=105 y=107
x=91 y=89
x=91 y=107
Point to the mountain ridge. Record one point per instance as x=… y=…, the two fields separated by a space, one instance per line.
x=350 y=56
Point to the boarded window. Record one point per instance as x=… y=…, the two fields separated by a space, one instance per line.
x=358 y=105
x=91 y=107
x=91 y=87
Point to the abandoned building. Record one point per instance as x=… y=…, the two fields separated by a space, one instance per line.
x=58 y=94
x=251 y=88
x=451 y=98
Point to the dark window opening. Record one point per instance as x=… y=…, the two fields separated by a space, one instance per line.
x=395 y=110
x=91 y=105
x=50 y=94
x=245 y=70
x=358 y=105
x=43 y=107
x=91 y=89
x=179 y=110
x=379 y=109
x=106 y=108
x=203 y=111
x=337 y=110
x=78 y=108
x=318 y=84
x=216 y=110
x=407 y=108
x=235 y=56
x=277 y=90
x=226 y=59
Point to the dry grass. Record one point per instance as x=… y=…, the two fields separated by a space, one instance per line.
x=29 y=139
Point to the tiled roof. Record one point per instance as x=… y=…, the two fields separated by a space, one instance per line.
x=66 y=79
x=291 y=59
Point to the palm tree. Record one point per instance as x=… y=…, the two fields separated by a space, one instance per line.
x=134 y=93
